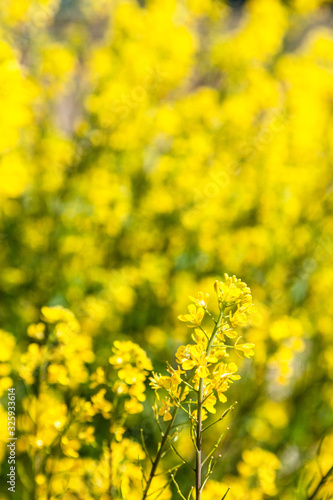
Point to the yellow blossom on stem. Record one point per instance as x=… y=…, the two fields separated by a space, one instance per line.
x=159 y=381
x=201 y=377
x=200 y=337
x=37 y=331
x=246 y=349
x=101 y=404
x=204 y=414
x=233 y=291
x=194 y=356
x=133 y=406
x=97 y=378
x=175 y=379
x=209 y=403
x=201 y=299
x=164 y=411
x=194 y=317
x=132 y=366
x=238 y=318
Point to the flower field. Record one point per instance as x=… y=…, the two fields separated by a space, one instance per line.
x=166 y=263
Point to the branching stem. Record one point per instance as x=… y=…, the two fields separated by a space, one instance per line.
x=159 y=453
x=198 y=461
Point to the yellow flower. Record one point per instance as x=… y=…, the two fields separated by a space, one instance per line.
x=35 y=356
x=191 y=356
x=58 y=374
x=100 y=404
x=7 y=342
x=87 y=435
x=40 y=479
x=199 y=337
x=238 y=318
x=137 y=391
x=56 y=314
x=204 y=414
x=233 y=291
x=164 y=411
x=128 y=352
x=225 y=330
x=97 y=378
x=209 y=403
x=117 y=431
x=132 y=365
x=183 y=354
x=201 y=299
x=120 y=388
x=175 y=379
x=133 y=406
x=247 y=349
x=194 y=317
x=222 y=375
x=261 y=466
x=70 y=447
x=159 y=381
x=83 y=410
x=37 y=331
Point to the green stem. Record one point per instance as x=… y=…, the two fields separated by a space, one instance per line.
x=198 y=461
x=198 y=455
x=221 y=417
x=159 y=453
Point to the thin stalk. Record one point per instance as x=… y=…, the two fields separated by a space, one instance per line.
x=177 y=487
x=225 y=494
x=221 y=417
x=181 y=424
x=179 y=455
x=144 y=446
x=198 y=454
x=198 y=461
x=159 y=453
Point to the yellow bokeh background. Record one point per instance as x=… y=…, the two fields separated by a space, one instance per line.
x=145 y=149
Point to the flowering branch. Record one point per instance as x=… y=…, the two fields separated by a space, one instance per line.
x=207 y=374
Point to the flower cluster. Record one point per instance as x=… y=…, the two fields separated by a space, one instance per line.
x=207 y=358
x=61 y=346
x=203 y=372
x=256 y=480
x=59 y=417
x=132 y=365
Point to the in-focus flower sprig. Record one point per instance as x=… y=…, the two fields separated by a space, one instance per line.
x=203 y=370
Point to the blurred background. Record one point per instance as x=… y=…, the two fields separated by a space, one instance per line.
x=147 y=147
